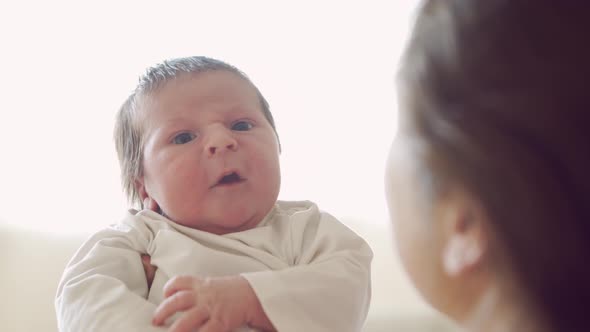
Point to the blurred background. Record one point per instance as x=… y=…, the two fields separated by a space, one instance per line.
x=326 y=67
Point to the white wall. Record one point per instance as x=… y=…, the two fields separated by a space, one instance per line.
x=327 y=68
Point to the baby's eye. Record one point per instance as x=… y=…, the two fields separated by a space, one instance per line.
x=242 y=126
x=183 y=138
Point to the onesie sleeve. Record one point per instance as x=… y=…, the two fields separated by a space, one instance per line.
x=328 y=286
x=104 y=287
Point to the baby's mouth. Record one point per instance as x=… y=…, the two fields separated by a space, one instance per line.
x=229 y=179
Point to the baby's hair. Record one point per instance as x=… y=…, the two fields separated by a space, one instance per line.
x=497 y=92
x=128 y=132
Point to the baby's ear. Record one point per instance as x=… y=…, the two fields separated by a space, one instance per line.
x=146 y=201
x=466 y=234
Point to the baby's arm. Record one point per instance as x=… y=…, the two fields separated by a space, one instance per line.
x=328 y=289
x=104 y=286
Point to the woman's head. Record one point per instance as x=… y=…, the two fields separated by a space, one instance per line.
x=493 y=148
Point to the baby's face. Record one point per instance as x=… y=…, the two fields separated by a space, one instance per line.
x=211 y=159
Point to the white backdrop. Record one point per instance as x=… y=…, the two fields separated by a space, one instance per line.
x=326 y=67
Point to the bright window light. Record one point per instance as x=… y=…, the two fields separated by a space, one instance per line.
x=326 y=67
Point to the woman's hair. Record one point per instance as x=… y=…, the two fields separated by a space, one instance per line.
x=497 y=90
x=128 y=131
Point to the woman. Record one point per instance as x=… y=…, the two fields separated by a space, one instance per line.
x=488 y=180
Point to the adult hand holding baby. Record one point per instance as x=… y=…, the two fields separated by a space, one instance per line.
x=211 y=305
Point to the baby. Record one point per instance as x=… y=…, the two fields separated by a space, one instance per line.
x=199 y=154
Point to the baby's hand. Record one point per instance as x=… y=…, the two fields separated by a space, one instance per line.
x=211 y=305
x=149 y=269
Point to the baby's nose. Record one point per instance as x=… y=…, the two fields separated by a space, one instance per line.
x=221 y=142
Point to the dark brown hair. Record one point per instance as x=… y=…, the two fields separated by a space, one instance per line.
x=498 y=91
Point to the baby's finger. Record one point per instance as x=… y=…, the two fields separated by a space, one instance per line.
x=191 y=320
x=180 y=301
x=148 y=268
x=179 y=283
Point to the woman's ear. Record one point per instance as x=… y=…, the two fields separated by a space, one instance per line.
x=466 y=234
x=147 y=202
